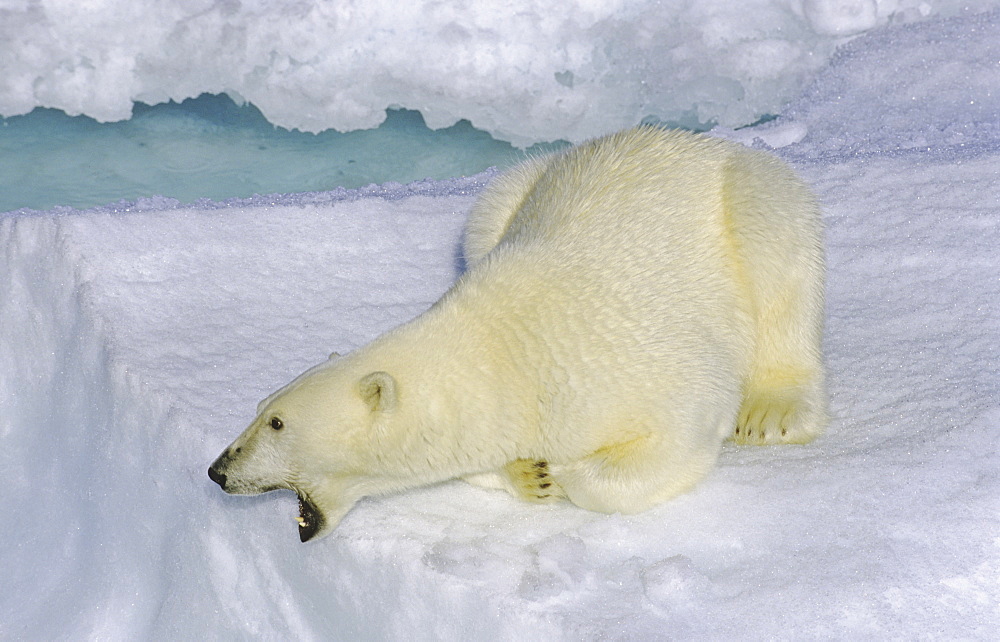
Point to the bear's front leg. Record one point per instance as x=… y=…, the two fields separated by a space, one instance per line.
x=632 y=476
x=527 y=479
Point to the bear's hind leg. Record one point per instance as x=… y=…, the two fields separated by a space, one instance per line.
x=497 y=206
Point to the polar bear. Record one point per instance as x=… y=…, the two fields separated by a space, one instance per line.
x=628 y=305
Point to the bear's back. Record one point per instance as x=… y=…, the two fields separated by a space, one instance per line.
x=601 y=249
x=628 y=187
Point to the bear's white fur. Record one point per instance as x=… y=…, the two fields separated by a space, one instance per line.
x=628 y=305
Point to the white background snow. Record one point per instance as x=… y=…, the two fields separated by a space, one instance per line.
x=135 y=343
x=524 y=70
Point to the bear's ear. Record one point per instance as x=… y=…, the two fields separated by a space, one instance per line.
x=378 y=390
x=334 y=355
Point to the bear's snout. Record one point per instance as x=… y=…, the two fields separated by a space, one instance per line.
x=217 y=477
x=217 y=471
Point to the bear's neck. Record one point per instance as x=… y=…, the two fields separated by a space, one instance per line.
x=468 y=398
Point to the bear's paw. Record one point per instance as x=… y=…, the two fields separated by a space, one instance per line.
x=533 y=481
x=777 y=417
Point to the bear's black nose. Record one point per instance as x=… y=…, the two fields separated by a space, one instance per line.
x=218 y=478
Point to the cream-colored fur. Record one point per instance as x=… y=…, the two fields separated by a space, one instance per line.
x=628 y=305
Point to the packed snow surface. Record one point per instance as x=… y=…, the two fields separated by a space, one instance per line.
x=135 y=343
x=524 y=70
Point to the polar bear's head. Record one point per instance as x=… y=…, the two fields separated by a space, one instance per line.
x=313 y=437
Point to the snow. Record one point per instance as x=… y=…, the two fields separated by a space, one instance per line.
x=528 y=71
x=135 y=342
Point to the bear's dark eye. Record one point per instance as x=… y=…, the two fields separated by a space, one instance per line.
x=276 y=423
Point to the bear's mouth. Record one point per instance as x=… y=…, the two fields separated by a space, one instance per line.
x=310 y=519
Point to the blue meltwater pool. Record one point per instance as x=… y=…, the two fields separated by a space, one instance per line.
x=211 y=147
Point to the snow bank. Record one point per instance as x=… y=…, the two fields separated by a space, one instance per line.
x=928 y=87
x=527 y=71
x=134 y=345
x=82 y=448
